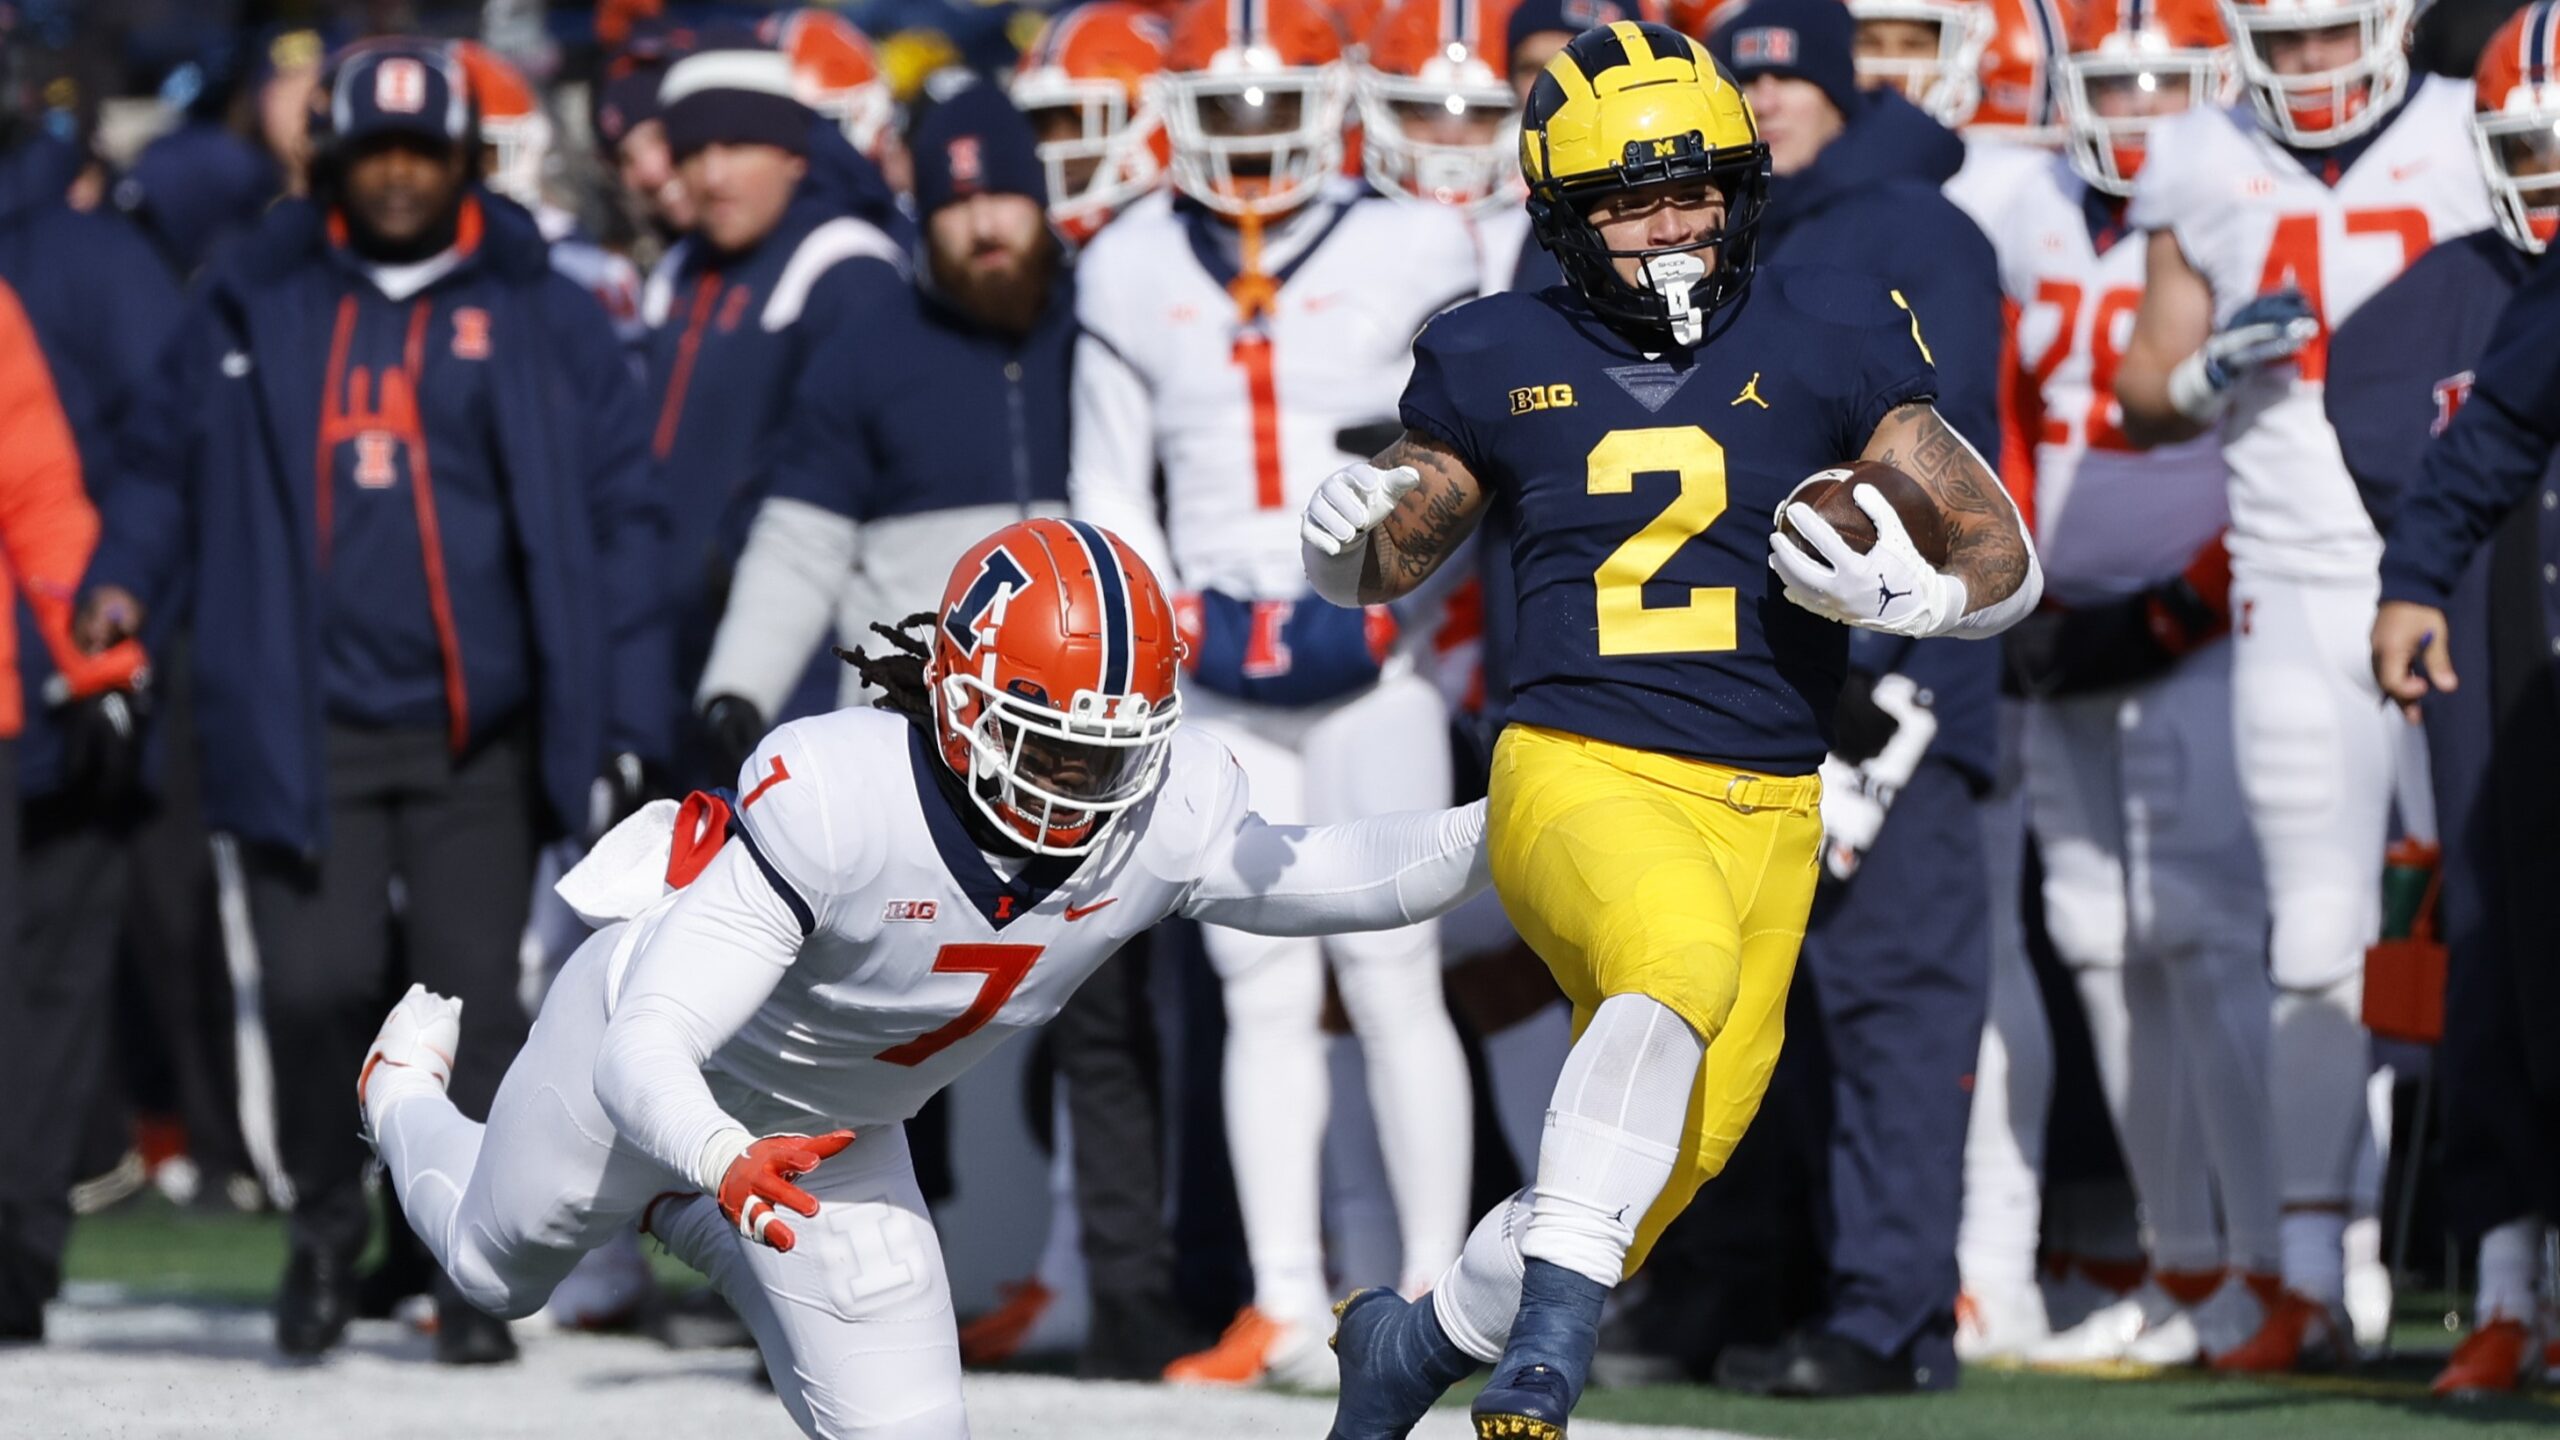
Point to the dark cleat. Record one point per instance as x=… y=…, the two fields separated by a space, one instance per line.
x=1531 y=1406
x=1396 y=1363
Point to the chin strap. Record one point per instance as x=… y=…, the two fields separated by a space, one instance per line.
x=1675 y=278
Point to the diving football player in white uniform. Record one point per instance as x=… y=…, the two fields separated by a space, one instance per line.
x=889 y=898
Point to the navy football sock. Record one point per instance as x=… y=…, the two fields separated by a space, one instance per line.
x=1558 y=1327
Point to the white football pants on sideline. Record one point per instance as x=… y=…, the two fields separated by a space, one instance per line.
x=1384 y=750
x=2153 y=894
x=2012 y=1081
x=2315 y=749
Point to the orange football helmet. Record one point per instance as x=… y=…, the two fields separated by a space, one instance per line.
x=1438 y=120
x=513 y=126
x=1255 y=93
x=2131 y=62
x=835 y=70
x=1052 y=681
x=2021 y=73
x=1948 y=82
x=1091 y=75
x=2516 y=122
x=2315 y=109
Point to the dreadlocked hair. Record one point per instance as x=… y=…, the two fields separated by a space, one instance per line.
x=899 y=674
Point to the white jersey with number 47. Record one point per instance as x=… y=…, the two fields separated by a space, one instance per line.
x=2110 y=520
x=2251 y=218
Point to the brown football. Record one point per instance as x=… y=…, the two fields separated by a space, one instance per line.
x=1831 y=494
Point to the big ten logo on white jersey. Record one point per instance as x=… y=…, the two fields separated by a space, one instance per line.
x=2109 y=519
x=1255 y=404
x=922 y=954
x=2251 y=219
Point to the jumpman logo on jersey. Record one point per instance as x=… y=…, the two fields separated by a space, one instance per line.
x=1886 y=595
x=1751 y=392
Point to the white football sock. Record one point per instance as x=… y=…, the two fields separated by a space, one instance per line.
x=2221 y=1002
x=1277 y=1098
x=428 y=1149
x=1613 y=1135
x=2004 y=1144
x=1478 y=1298
x=2315 y=1255
x=2509 y=1256
x=2133 y=1034
x=1418 y=1090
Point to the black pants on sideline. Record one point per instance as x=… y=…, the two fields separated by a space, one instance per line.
x=72 y=883
x=458 y=836
x=1898 y=967
x=1106 y=1052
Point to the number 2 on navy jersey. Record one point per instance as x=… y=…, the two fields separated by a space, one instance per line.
x=1705 y=620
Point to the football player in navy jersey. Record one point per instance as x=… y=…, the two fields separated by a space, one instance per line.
x=1655 y=811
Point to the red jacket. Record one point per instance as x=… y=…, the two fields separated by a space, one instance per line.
x=47 y=526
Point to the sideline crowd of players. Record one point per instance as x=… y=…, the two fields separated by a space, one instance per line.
x=455 y=535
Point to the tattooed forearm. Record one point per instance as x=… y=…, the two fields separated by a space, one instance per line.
x=1427 y=526
x=1986 y=548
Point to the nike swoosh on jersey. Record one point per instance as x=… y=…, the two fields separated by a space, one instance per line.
x=1078 y=912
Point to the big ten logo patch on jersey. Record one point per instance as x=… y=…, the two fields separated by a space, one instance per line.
x=920 y=912
x=470 y=333
x=980 y=612
x=1541 y=397
x=2450 y=393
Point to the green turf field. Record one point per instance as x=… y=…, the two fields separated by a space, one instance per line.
x=147 y=1248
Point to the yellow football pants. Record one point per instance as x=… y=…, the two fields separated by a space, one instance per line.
x=1637 y=873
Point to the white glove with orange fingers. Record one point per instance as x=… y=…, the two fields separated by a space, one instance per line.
x=751 y=1178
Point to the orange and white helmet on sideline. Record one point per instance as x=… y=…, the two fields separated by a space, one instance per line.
x=1092 y=75
x=512 y=124
x=2516 y=122
x=1052 y=681
x=1255 y=93
x=1438 y=65
x=835 y=71
x=1947 y=83
x=2021 y=74
x=2326 y=107
x=2143 y=51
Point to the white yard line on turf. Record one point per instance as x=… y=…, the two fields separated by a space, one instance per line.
x=162 y=1372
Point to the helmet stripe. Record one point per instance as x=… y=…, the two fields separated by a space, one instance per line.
x=1248 y=21
x=2132 y=18
x=2541 y=60
x=1454 y=15
x=1116 y=637
x=2054 y=45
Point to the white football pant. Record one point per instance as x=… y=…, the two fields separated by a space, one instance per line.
x=2315 y=750
x=2012 y=1081
x=855 y=1322
x=2153 y=897
x=1384 y=750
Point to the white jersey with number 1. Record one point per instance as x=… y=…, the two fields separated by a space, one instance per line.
x=2251 y=219
x=1246 y=417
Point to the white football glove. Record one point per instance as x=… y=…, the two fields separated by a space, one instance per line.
x=2267 y=331
x=1856 y=797
x=1351 y=502
x=1890 y=588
